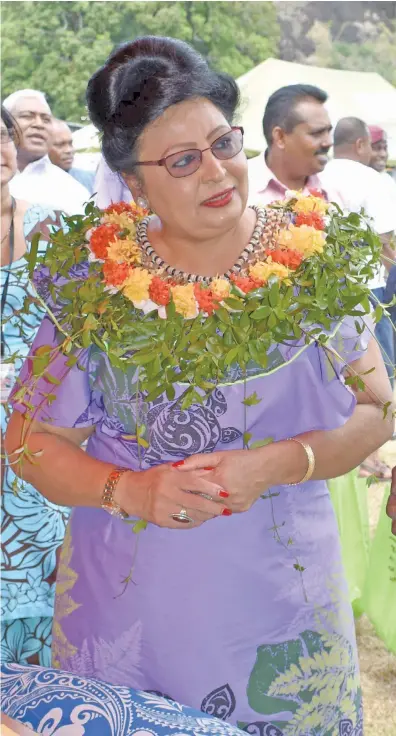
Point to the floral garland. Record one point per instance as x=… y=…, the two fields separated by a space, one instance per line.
x=308 y=271
x=113 y=243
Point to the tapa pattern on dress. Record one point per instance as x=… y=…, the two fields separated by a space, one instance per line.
x=218 y=617
x=32 y=528
x=50 y=701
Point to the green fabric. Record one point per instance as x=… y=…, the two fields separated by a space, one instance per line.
x=379 y=597
x=349 y=497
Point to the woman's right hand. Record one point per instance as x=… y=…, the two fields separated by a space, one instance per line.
x=155 y=494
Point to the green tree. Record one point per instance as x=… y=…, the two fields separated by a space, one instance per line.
x=56 y=46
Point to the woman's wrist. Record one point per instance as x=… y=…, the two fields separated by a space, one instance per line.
x=127 y=494
x=284 y=462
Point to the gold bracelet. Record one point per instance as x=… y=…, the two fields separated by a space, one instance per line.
x=310 y=457
x=108 y=504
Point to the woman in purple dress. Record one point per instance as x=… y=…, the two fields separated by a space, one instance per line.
x=236 y=602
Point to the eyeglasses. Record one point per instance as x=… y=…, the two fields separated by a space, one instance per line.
x=185 y=163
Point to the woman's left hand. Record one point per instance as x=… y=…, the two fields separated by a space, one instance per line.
x=244 y=474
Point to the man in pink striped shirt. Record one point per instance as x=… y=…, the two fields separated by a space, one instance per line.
x=297 y=129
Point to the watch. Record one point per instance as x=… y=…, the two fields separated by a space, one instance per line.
x=108 y=504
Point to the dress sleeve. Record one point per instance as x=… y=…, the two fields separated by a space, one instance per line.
x=348 y=342
x=64 y=398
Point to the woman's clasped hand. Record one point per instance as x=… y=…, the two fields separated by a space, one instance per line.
x=158 y=493
x=204 y=486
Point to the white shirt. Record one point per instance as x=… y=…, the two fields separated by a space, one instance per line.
x=360 y=187
x=41 y=182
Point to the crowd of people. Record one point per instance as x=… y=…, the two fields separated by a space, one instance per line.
x=207 y=619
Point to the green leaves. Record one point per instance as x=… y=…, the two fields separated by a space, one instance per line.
x=251 y=400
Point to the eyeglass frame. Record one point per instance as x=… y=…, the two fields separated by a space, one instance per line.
x=162 y=161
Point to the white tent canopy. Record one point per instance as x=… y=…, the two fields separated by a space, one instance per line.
x=86 y=138
x=364 y=95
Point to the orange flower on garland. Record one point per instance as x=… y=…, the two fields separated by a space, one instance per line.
x=290 y=258
x=206 y=300
x=100 y=239
x=115 y=273
x=313 y=219
x=245 y=283
x=317 y=193
x=159 y=291
x=118 y=208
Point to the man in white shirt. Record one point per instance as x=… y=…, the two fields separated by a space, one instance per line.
x=38 y=180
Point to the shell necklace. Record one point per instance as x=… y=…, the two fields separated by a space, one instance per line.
x=176 y=273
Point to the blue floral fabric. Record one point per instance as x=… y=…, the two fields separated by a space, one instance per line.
x=52 y=701
x=32 y=528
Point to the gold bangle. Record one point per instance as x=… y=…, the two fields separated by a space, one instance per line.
x=310 y=457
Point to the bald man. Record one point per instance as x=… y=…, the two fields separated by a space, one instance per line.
x=61 y=153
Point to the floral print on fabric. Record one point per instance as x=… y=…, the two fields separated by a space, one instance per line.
x=32 y=528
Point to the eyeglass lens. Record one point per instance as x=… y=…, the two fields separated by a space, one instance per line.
x=185 y=163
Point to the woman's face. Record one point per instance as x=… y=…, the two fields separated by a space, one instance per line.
x=8 y=156
x=185 y=205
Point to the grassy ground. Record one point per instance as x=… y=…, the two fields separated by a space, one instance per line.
x=378 y=666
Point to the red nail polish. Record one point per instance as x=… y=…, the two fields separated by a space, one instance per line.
x=226 y=512
x=224 y=494
x=179 y=462
x=208 y=468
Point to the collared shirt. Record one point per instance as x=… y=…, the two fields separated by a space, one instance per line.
x=361 y=187
x=265 y=188
x=41 y=182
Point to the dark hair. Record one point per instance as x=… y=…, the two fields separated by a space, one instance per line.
x=349 y=130
x=280 y=109
x=11 y=124
x=139 y=81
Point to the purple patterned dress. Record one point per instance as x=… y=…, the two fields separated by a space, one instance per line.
x=246 y=618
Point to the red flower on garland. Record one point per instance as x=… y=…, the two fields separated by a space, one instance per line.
x=159 y=291
x=317 y=193
x=207 y=301
x=101 y=238
x=289 y=258
x=118 y=208
x=313 y=219
x=246 y=283
x=115 y=273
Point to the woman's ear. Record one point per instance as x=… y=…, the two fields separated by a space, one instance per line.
x=133 y=184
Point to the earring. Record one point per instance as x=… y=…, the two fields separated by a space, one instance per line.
x=142 y=202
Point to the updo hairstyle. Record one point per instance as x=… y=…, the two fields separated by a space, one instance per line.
x=139 y=81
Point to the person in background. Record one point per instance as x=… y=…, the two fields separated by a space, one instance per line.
x=37 y=179
x=61 y=153
x=379 y=155
x=32 y=528
x=297 y=129
x=363 y=187
x=378 y=161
